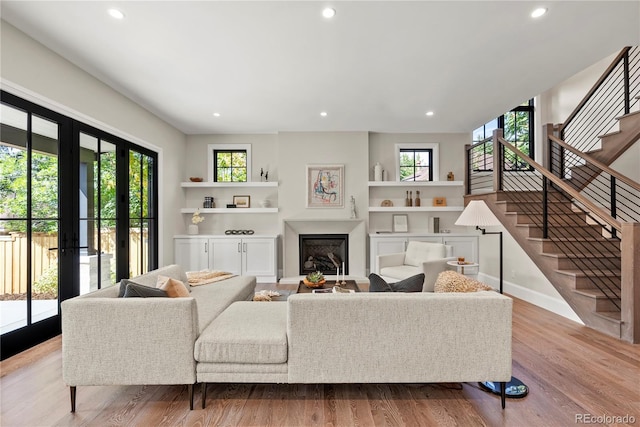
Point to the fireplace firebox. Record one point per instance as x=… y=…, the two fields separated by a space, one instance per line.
x=324 y=252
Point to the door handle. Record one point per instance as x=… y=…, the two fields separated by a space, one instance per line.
x=206 y=247
x=244 y=247
x=239 y=250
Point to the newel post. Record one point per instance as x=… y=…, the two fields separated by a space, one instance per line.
x=630 y=311
x=498 y=160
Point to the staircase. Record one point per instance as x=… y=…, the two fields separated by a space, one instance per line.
x=575 y=217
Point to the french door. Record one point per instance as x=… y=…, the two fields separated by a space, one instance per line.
x=77 y=213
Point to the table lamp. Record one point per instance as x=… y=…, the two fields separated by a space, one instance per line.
x=478 y=214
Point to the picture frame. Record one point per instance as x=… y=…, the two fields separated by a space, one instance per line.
x=400 y=223
x=242 y=201
x=440 y=201
x=325 y=186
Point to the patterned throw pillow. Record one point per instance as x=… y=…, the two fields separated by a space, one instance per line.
x=173 y=287
x=410 y=284
x=451 y=281
x=133 y=290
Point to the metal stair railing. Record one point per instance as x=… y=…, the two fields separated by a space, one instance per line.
x=613 y=95
x=559 y=211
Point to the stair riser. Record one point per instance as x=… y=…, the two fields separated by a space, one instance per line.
x=567 y=232
x=604 y=246
x=554 y=220
x=586 y=283
x=518 y=196
x=596 y=263
x=601 y=304
x=536 y=208
x=628 y=123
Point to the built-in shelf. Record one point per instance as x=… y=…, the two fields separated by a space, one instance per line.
x=416 y=209
x=416 y=184
x=190 y=184
x=229 y=210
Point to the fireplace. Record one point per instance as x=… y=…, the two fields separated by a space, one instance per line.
x=324 y=252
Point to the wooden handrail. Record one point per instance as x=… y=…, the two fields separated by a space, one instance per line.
x=566 y=188
x=595 y=87
x=631 y=183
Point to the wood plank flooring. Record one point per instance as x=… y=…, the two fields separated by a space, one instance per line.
x=569 y=369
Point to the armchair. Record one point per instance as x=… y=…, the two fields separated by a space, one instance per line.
x=420 y=257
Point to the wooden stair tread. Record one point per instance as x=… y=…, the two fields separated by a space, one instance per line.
x=563 y=255
x=614 y=316
x=597 y=294
x=595 y=273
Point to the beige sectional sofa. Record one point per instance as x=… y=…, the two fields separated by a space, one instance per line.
x=108 y=340
x=420 y=337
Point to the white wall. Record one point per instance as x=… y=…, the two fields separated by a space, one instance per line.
x=34 y=72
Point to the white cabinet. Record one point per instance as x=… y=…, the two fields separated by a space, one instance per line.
x=465 y=245
x=246 y=256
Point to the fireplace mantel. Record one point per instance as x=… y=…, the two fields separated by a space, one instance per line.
x=355 y=228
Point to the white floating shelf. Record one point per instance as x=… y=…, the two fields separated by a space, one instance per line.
x=417 y=209
x=229 y=210
x=416 y=183
x=205 y=184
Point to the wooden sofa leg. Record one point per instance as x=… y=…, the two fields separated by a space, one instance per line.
x=72 y=391
x=190 y=387
x=503 y=394
x=204 y=394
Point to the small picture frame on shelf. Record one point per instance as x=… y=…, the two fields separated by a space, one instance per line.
x=400 y=224
x=439 y=201
x=242 y=201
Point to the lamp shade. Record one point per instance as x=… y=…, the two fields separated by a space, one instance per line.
x=477 y=213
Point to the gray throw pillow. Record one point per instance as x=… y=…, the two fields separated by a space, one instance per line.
x=378 y=284
x=410 y=284
x=133 y=290
x=123 y=287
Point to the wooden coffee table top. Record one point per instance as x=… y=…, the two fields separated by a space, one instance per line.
x=350 y=284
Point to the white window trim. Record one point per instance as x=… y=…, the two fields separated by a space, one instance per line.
x=211 y=159
x=433 y=146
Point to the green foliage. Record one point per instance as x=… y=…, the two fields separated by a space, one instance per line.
x=315 y=277
x=48 y=282
x=231 y=166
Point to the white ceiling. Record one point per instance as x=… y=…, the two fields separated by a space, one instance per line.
x=376 y=66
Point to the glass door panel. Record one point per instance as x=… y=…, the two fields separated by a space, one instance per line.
x=97 y=211
x=141 y=212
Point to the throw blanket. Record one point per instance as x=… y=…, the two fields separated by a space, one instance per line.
x=197 y=278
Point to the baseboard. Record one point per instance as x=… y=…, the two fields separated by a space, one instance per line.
x=554 y=305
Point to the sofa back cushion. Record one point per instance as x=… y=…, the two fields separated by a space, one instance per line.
x=418 y=252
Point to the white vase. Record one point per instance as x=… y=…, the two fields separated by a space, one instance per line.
x=377 y=172
x=193 y=229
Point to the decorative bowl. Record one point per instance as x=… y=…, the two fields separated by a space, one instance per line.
x=195 y=179
x=314 y=285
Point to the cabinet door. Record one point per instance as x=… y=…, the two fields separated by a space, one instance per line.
x=259 y=257
x=191 y=253
x=466 y=247
x=226 y=255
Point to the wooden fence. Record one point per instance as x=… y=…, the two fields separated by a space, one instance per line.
x=13 y=256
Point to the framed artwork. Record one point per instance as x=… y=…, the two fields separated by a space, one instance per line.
x=400 y=224
x=242 y=201
x=440 y=201
x=325 y=186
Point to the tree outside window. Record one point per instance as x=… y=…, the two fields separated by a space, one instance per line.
x=416 y=164
x=230 y=165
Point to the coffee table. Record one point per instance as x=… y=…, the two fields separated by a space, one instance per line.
x=350 y=284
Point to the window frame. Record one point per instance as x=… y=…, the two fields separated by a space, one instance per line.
x=213 y=148
x=416 y=146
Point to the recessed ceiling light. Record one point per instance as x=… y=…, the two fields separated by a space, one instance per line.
x=539 y=12
x=216 y=114
x=329 y=12
x=429 y=113
x=115 y=13
x=323 y=114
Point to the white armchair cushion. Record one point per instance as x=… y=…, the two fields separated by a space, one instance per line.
x=418 y=252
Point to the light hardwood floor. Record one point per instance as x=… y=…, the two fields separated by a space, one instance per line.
x=569 y=369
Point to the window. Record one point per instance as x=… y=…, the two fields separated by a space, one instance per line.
x=417 y=162
x=517 y=125
x=229 y=163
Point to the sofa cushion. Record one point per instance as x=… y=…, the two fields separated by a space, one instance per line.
x=451 y=281
x=410 y=284
x=418 y=252
x=246 y=332
x=133 y=290
x=175 y=271
x=173 y=287
x=400 y=271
